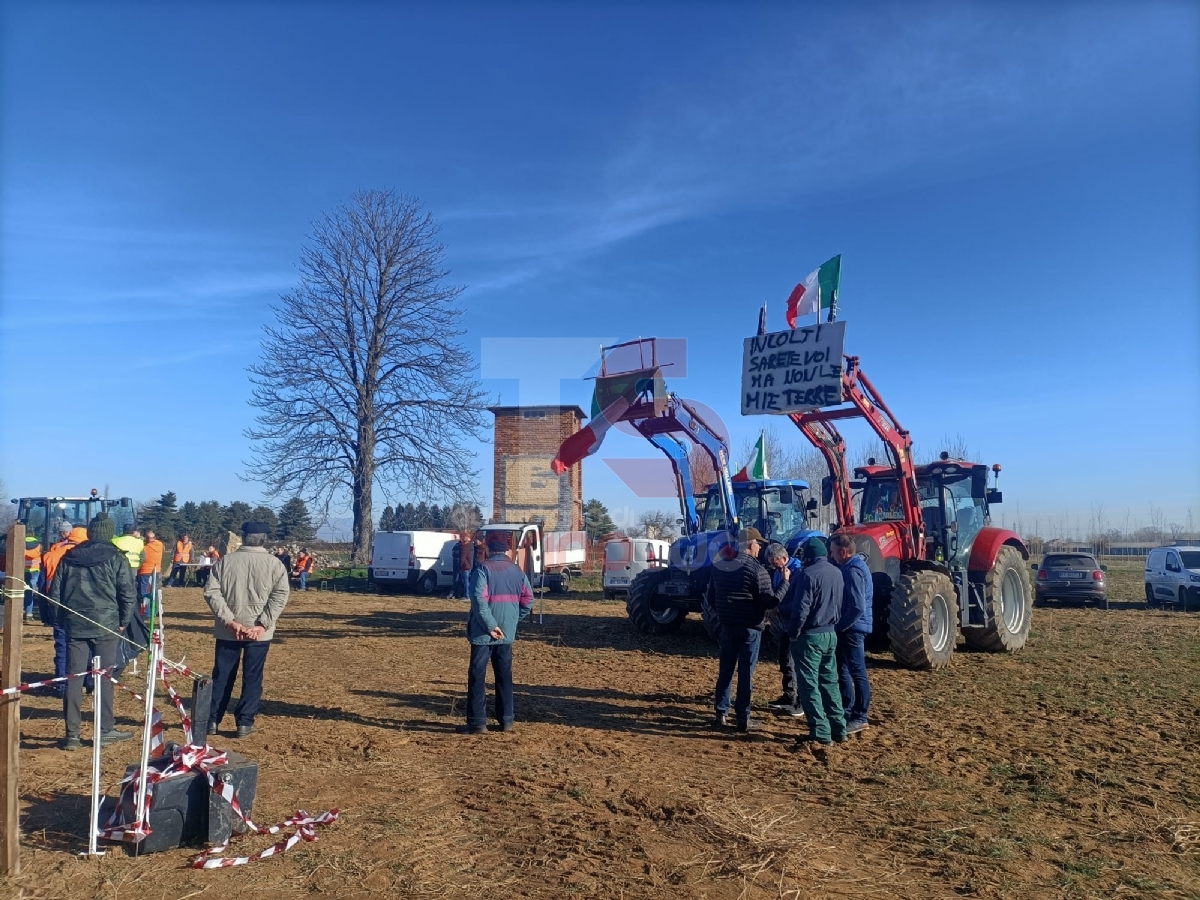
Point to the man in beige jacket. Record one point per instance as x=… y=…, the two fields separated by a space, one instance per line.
x=246 y=591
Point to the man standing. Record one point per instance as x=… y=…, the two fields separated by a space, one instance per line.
x=809 y=614
x=152 y=554
x=93 y=587
x=49 y=612
x=183 y=556
x=33 y=572
x=742 y=594
x=247 y=590
x=500 y=598
x=131 y=544
x=854 y=625
x=779 y=562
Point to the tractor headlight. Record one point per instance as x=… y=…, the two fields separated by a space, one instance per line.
x=1196 y=578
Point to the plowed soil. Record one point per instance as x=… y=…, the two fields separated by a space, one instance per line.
x=1069 y=769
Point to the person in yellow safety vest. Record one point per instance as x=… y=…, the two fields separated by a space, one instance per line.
x=131 y=544
x=33 y=570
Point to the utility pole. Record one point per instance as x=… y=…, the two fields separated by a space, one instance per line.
x=10 y=705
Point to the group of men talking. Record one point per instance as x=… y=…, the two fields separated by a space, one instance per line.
x=820 y=609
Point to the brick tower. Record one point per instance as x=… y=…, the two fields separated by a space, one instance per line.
x=525 y=489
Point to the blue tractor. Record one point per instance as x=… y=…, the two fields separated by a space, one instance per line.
x=660 y=599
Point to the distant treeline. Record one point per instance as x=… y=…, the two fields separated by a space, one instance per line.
x=422 y=516
x=207 y=520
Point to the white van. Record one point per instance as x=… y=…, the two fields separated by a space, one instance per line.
x=411 y=559
x=625 y=558
x=1173 y=576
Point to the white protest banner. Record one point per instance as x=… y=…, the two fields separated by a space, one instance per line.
x=794 y=370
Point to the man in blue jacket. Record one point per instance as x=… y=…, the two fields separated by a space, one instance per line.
x=810 y=614
x=783 y=568
x=855 y=624
x=500 y=598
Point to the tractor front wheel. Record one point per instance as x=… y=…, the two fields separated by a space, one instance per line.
x=708 y=615
x=647 y=608
x=1009 y=601
x=923 y=620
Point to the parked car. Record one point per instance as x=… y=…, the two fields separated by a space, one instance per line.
x=1173 y=577
x=1070 y=576
x=625 y=558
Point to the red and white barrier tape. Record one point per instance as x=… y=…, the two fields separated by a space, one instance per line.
x=29 y=686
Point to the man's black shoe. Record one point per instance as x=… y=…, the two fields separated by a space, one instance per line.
x=111 y=737
x=856 y=726
x=720 y=721
x=747 y=726
x=69 y=743
x=212 y=727
x=506 y=726
x=783 y=702
x=245 y=730
x=812 y=739
x=471 y=729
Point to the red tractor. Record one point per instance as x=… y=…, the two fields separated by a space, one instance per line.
x=925 y=531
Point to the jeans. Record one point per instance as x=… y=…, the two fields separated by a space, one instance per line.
x=739 y=648
x=178 y=576
x=252 y=655
x=459 y=589
x=816 y=666
x=31 y=579
x=79 y=658
x=500 y=656
x=852 y=672
x=304 y=581
x=787 y=665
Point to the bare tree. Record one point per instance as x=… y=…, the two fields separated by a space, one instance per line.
x=463 y=517
x=704 y=473
x=363 y=374
x=656 y=525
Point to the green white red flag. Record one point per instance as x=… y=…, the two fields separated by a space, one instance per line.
x=587 y=440
x=756 y=469
x=816 y=292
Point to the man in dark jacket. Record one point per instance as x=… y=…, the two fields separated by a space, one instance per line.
x=96 y=597
x=809 y=614
x=858 y=594
x=742 y=594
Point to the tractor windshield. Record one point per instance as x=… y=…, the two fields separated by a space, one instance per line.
x=33 y=514
x=778 y=512
x=881 y=501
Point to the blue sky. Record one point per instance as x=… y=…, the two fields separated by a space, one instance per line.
x=1014 y=189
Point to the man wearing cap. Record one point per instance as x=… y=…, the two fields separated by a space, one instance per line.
x=247 y=590
x=95 y=598
x=500 y=598
x=742 y=593
x=809 y=614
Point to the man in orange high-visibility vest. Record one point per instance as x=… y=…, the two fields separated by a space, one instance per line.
x=183 y=556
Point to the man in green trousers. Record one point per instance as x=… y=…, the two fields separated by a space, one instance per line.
x=809 y=614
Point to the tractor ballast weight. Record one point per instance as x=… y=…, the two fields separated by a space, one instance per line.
x=660 y=599
x=938 y=565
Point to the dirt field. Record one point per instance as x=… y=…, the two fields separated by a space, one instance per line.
x=1068 y=770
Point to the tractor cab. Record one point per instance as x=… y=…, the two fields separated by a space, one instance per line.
x=954 y=499
x=42 y=516
x=779 y=509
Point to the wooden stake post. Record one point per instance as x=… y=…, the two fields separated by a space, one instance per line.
x=10 y=706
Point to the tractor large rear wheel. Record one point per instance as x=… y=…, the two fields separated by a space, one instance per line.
x=1009 y=599
x=647 y=608
x=923 y=620
x=708 y=615
x=878 y=641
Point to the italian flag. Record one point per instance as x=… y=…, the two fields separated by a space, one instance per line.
x=756 y=469
x=588 y=439
x=816 y=292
